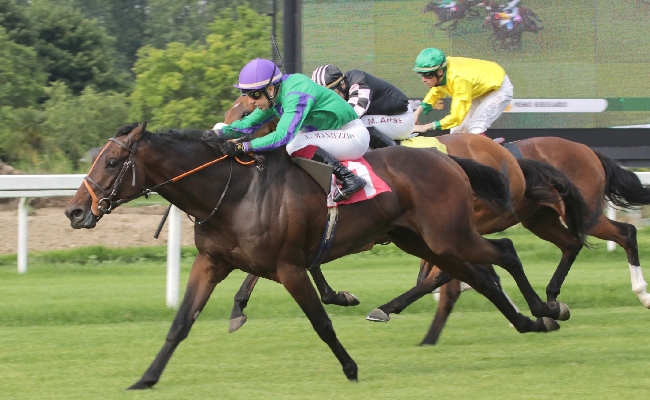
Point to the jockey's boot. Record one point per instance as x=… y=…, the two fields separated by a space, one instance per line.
x=378 y=139
x=351 y=182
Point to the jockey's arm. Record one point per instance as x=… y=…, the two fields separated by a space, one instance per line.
x=294 y=112
x=359 y=98
x=246 y=126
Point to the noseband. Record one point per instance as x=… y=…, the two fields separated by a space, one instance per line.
x=107 y=204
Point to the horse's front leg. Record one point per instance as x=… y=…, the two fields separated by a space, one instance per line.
x=328 y=295
x=449 y=294
x=398 y=304
x=205 y=275
x=297 y=283
x=237 y=316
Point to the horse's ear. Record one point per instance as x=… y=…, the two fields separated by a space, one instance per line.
x=137 y=132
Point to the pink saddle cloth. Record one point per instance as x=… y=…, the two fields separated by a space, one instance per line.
x=374 y=184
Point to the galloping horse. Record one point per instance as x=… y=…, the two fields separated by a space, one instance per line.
x=449 y=18
x=539 y=183
x=427 y=213
x=511 y=39
x=598 y=178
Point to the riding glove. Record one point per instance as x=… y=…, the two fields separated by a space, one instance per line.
x=233 y=148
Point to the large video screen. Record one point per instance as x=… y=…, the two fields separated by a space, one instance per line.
x=580 y=64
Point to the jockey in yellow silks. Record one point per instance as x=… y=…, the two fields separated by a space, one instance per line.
x=480 y=90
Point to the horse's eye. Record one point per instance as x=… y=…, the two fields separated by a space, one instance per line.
x=111 y=163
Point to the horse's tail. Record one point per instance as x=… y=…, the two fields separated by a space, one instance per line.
x=623 y=188
x=541 y=178
x=488 y=184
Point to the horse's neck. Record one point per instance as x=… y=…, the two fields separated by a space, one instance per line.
x=200 y=191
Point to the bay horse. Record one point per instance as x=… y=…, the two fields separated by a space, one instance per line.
x=449 y=18
x=535 y=188
x=269 y=221
x=599 y=178
x=511 y=39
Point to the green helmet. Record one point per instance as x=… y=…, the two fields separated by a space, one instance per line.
x=430 y=60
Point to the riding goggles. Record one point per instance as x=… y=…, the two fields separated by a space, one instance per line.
x=429 y=75
x=255 y=94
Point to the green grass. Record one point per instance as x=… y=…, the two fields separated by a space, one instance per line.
x=80 y=327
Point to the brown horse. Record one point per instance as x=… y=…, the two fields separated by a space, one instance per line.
x=511 y=39
x=598 y=178
x=449 y=18
x=427 y=213
x=540 y=183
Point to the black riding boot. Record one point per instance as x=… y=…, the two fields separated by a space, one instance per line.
x=378 y=139
x=351 y=182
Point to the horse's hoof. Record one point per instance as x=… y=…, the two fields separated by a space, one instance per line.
x=378 y=316
x=140 y=385
x=550 y=324
x=565 y=314
x=351 y=299
x=236 y=323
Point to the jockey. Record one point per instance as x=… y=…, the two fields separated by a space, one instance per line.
x=479 y=90
x=382 y=107
x=510 y=15
x=314 y=123
x=451 y=4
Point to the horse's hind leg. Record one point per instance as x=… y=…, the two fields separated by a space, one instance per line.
x=545 y=223
x=625 y=235
x=297 y=283
x=237 y=316
x=205 y=275
x=477 y=276
x=449 y=294
x=509 y=261
x=328 y=295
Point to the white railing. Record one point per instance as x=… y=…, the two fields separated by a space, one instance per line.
x=29 y=186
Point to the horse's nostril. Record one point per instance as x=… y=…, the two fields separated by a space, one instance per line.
x=76 y=213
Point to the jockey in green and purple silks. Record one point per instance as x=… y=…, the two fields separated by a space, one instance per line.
x=315 y=123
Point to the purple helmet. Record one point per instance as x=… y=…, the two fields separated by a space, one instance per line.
x=258 y=74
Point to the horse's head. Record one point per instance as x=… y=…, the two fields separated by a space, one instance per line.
x=432 y=6
x=243 y=107
x=106 y=183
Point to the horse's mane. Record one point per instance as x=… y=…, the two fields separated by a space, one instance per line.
x=171 y=135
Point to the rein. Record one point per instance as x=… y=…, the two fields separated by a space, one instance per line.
x=107 y=204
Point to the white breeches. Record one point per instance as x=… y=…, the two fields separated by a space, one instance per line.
x=348 y=143
x=486 y=109
x=396 y=127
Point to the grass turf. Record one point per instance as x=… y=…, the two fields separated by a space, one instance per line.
x=81 y=327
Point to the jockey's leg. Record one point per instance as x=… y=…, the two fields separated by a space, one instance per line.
x=385 y=130
x=489 y=108
x=329 y=146
x=378 y=139
x=351 y=182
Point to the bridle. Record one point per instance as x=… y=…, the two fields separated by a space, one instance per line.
x=107 y=204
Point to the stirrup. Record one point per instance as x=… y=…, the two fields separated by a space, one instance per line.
x=340 y=195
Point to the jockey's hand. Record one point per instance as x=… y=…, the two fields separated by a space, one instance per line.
x=232 y=148
x=421 y=128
